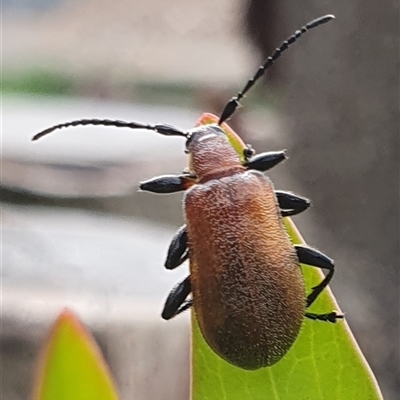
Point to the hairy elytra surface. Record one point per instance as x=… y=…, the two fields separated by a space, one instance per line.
x=248 y=291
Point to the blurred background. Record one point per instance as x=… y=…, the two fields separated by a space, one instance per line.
x=75 y=231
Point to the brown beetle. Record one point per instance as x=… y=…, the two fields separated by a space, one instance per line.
x=247 y=287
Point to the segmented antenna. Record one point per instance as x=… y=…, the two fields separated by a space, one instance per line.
x=163 y=129
x=231 y=106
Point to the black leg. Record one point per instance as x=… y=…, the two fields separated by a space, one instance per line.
x=290 y=204
x=167 y=183
x=265 y=161
x=330 y=317
x=177 y=251
x=176 y=301
x=315 y=258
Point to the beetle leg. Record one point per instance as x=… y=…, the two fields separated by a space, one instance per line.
x=168 y=183
x=330 y=317
x=177 y=251
x=176 y=301
x=265 y=161
x=291 y=204
x=315 y=258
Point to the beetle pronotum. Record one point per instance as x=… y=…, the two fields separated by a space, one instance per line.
x=247 y=288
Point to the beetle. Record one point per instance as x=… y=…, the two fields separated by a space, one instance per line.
x=247 y=288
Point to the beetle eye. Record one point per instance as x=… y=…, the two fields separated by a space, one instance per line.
x=188 y=140
x=248 y=152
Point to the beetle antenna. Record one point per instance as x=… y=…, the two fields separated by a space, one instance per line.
x=231 y=106
x=163 y=129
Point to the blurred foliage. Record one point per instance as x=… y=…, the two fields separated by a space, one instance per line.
x=37 y=81
x=183 y=94
x=70 y=365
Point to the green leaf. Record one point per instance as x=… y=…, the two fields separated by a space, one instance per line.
x=325 y=362
x=70 y=365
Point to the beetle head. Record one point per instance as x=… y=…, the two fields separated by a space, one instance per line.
x=209 y=150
